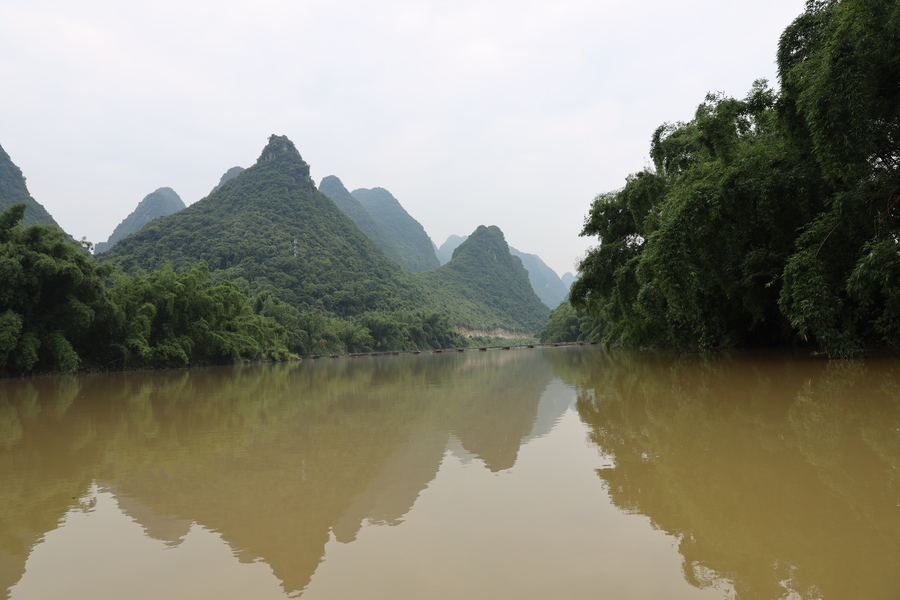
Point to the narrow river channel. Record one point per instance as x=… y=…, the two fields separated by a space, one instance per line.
x=569 y=472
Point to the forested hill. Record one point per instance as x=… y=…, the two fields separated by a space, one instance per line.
x=544 y=280
x=13 y=191
x=409 y=235
x=272 y=228
x=332 y=187
x=483 y=268
x=160 y=203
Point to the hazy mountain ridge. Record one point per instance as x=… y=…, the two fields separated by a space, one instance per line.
x=13 y=191
x=409 y=235
x=273 y=233
x=445 y=252
x=332 y=187
x=164 y=201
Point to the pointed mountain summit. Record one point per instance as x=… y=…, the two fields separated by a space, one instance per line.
x=408 y=234
x=272 y=229
x=482 y=267
x=13 y=191
x=546 y=283
x=160 y=203
x=332 y=187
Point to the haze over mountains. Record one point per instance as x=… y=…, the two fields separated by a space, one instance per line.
x=408 y=257
x=160 y=203
x=400 y=226
x=482 y=266
x=229 y=174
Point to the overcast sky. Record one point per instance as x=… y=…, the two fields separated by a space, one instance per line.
x=507 y=113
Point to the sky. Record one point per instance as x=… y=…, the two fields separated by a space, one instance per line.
x=507 y=113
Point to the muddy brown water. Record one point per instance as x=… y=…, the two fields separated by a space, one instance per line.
x=569 y=472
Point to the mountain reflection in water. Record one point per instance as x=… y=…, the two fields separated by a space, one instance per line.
x=775 y=475
x=271 y=456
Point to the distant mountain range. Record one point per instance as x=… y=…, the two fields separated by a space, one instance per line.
x=160 y=203
x=332 y=187
x=271 y=228
x=415 y=245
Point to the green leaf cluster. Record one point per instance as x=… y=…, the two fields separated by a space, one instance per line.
x=180 y=319
x=771 y=219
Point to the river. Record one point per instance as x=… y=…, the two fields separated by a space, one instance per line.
x=571 y=472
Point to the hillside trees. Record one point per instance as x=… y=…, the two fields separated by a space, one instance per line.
x=768 y=219
x=51 y=299
x=58 y=314
x=839 y=64
x=180 y=319
x=486 y=287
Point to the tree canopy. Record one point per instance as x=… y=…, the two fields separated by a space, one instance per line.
x=767 y=220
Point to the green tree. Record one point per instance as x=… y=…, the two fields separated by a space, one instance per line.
x=840 y=70
x=52 y=300
x=182 y=319
x=692 y=250
x=771 y=219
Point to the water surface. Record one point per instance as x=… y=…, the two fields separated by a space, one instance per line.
x=530 y=473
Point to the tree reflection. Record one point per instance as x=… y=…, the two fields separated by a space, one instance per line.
x=775 y=473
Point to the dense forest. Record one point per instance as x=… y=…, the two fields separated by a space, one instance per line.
x=62 y=311
x=771 y=219
x=766 y=220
